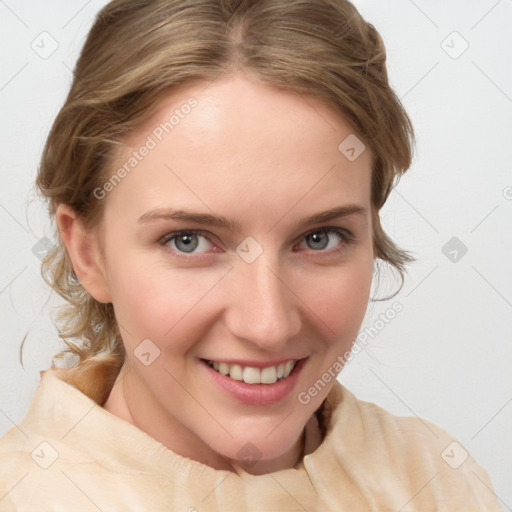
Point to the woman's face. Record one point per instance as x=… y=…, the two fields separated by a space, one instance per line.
x=269 y=289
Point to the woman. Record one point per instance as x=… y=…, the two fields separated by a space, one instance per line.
x=216 y=175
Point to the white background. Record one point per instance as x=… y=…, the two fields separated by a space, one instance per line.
x=447 y=356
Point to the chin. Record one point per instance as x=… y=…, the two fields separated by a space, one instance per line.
x=264 y=446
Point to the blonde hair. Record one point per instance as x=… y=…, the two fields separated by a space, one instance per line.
x=137 y=51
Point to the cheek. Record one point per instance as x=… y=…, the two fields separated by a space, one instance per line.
x=340 y=300
x=157 y=302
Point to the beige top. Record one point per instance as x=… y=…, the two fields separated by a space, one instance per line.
x=69 y=454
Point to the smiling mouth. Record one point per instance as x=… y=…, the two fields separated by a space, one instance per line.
x=252 y=375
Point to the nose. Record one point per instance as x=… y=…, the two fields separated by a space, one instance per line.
x=263 y=309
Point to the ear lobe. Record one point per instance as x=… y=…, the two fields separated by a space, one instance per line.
x=84 y=253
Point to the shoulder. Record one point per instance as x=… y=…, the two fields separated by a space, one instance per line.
x=407 y=454
x=63 y=398
x=39 y=453
x=44 y=429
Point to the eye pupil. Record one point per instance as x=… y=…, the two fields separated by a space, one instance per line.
x=317 y=238
x=187 y=240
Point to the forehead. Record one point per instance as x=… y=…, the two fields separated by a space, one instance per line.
x=241 y=109
x=240 y=142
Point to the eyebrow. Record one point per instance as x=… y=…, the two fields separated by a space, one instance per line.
x=208 y=219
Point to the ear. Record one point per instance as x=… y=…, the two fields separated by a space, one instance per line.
x=84 y=252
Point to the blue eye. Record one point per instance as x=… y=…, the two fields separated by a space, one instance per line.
x=319 y=238
x=184 y=243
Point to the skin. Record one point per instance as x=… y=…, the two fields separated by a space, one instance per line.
x=265 y=158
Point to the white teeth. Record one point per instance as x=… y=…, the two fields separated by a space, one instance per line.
x=269 y=375
x=235 y=372
x=251 y=375
x=288 y=367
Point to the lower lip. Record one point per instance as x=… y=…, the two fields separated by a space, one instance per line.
x=256 y=394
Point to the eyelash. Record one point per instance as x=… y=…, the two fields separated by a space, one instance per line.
x=345 y=235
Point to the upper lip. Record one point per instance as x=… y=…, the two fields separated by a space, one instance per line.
x=255 y=364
